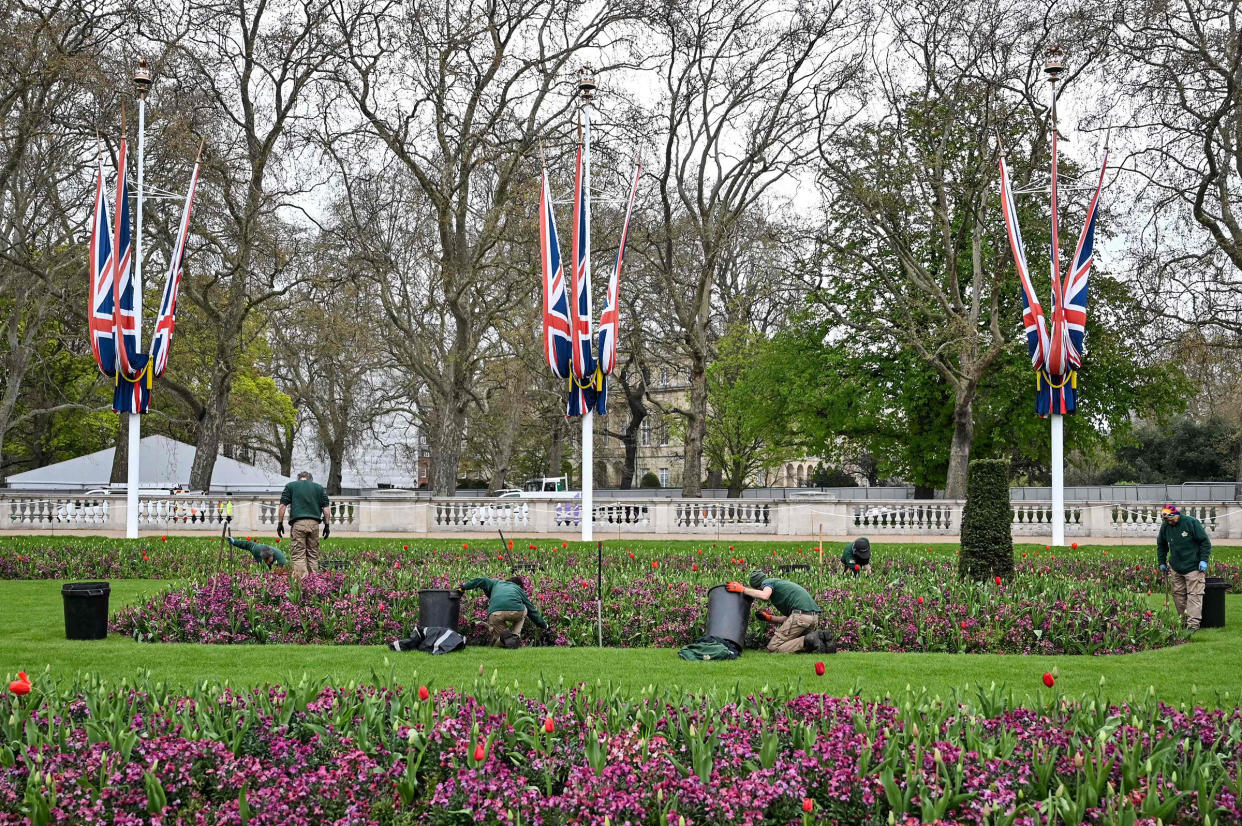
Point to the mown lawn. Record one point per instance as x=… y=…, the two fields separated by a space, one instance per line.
x=1207 y=671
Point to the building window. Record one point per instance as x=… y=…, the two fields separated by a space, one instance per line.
x=663 y=433
x=663 y=477
x=645 y=430
x=664 y=377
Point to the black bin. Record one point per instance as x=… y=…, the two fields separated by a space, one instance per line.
x=439 y=608
x=728 y=614
x=1214 y=588
x=86 y=610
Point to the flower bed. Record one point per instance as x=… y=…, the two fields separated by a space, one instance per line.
x=95 y=752
x=904 y=606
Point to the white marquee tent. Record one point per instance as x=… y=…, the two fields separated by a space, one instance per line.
x=164 y=465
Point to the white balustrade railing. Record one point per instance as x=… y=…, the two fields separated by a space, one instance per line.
x=927 y=517
x=802 y=517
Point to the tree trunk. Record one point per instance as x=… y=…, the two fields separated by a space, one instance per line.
x=959 y=449
x=504 y=449
x=336 y=463
x=210 y=429
x=445 y=435
x=286 y=452
x=556 y=447
x=737 y=480
x=120 y=453
x=696 y=428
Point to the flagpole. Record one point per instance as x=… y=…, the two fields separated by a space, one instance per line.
x=586 y=84
x=1053 y=67
x=142 y=80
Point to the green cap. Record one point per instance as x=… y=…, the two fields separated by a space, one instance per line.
x=757 y=578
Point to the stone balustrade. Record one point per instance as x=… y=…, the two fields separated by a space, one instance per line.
x=733 y=517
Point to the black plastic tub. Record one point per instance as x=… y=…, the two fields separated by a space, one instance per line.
x=439 y=608
x=1214 y=588
x=86 y=610
x=728 y=614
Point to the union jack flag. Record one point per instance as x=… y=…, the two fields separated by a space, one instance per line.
x=101 y=325
x=1032 y=312
x=610 y=319
x=1076 y=281
x=161 y=340
x=1057 y=357
x=122 y=279
x=556 y=339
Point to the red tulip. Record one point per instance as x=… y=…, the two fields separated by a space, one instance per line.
x=564 y=544
x=249 y=538
x=510 y=544
x=857 y=567
x=808 y=805
x=146 y=558
x=730 y=547
x=163 y=539
x=405 y=547
x=549 y=725
x=998 y=580
x=920 y=600
x=423 y=693
x=1024 y=554
x=700 y=551
x=1047 y=547
x=479 y=753
x=963 y=625
x=655 y=563
x=1049 y=680
x=631 y=554
x=397 y=565
x=819 y=668
x=929 y=550
x=465 y=546
x=531 y=547
x=500 y=556
x=1075 y=546
x=21 y=675
x=694 y=567
x=586 y=584
x=19 y=687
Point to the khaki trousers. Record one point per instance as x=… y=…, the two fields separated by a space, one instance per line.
x=304 y=534
x=788 y=638
x=1188 y=596
x=500 y=621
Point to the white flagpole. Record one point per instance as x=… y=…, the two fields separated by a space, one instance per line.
x=1054 y=67
x=142 y=79
x=586 y=84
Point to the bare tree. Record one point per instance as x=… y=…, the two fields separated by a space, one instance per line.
x=1181 y=66
x=458 y=96
x=743 y=89
x=240 y=74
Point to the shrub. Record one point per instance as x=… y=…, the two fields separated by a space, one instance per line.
x=649 y=480
x=987 y=544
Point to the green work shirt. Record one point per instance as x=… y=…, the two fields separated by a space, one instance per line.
x=1184 y=545
x=503 y=595
x=788 y=597
x=306 y=500
x=256 y=550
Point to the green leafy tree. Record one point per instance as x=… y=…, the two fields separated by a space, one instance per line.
x=744 y=432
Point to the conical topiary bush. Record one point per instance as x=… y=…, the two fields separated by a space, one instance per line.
x=987 y=544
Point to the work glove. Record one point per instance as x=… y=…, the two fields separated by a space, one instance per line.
x=327 y=530
x=1164 y=569
x=1203 y=566
x=547 y=636
x=280 y=530
x=735 y=587
x=765 y=615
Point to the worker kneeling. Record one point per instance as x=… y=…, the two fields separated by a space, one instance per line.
x=507 y=610
x=796 y=612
